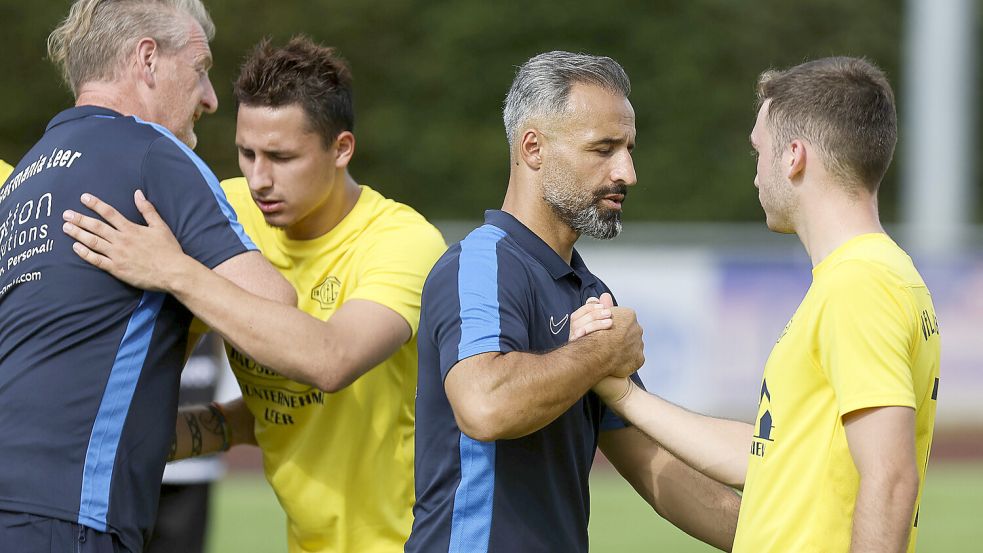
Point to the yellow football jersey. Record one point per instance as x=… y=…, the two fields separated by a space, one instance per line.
x=5 y=170
x=341 y=464
x=864 y=336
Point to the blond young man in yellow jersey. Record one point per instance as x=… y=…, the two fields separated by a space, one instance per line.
x=847 y=403
x=328 y=395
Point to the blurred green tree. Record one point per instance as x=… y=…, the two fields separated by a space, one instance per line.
x=430 y=78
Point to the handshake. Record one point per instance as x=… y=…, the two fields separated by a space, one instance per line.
x=618 y=336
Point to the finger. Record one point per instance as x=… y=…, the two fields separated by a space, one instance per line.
x=147 y=209
x=104 y=210
x=607 y=300
x=584 y=309
x=592 y=326
x=91 y=257
x=586 y=317
x=89 y=240
x=90 y=224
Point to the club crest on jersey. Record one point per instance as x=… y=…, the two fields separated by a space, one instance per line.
x=327 y=292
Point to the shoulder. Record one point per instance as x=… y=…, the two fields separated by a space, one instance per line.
x=237 y=192
x=482 y=257
x=397 y=220
x=5 y=170
x=856 y=276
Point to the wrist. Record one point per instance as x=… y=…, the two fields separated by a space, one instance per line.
x=179 y=279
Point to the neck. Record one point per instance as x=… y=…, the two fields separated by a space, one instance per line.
x=524 y=202
x=833 y=217
x=111 y=96
x=335 y=209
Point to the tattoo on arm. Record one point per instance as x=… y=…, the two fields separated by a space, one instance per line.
x=195 y=431
x=212 y=423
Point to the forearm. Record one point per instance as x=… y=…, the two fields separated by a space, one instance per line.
x=698 y=505
x=199 y=430
x=882 y=515
x=716 y=447
x=289 y=341
x=511 y=395
x=207 y=429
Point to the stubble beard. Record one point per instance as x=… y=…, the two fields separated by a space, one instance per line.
x=579 y=209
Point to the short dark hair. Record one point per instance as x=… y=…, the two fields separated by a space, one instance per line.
x=300 y=72
x=844 y=106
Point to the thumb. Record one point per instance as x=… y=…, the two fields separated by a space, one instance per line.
x=606 y=300
x=147 y=209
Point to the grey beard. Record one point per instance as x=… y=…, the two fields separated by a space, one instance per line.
x=587 y=219
x=580 y=211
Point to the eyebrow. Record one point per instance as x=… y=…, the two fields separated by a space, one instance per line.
x=609 y=142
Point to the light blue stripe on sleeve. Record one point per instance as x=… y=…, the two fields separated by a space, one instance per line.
x=477 y=288
x=474 y=498
x=100 y=456
x=211 y=179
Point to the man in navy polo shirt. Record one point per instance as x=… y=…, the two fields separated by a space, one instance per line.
x=507 y=426
x=89 y=366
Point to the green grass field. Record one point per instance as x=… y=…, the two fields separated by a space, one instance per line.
x=246 y=518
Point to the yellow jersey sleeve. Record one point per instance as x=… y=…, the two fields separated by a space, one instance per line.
x=865 y=337
x=394 y=267
x=5 y=171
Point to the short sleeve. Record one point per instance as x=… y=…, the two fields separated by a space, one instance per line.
x=864 y=337
x=477 y=301
x=189 y=199
x=394 y=266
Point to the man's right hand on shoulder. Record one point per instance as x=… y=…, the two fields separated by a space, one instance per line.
x=143 y=256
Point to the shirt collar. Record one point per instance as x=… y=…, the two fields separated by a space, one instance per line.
x=536 y=247
x=80 y=112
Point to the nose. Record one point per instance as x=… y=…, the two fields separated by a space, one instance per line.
x=209 y=100
x=623 y=171
x=258 y=172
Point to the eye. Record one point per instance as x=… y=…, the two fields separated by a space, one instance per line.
x=248 y=154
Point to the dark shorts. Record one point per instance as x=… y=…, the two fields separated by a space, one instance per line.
x=26 y=533
x=181 y=519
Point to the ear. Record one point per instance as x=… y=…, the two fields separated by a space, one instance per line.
x=531 y=148
x=345 y=148
x=148 y=57
x=795 y=159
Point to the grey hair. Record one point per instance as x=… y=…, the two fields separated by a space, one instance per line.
x=93 y=41
x=542 y=85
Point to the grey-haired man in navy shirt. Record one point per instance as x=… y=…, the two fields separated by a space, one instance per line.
x=515 y=330
x=89 y=366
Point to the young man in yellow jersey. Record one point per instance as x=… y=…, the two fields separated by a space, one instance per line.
x=5 y=170
x=847 y=403
x=330 y=394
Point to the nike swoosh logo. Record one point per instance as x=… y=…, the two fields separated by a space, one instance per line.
x=556 y=327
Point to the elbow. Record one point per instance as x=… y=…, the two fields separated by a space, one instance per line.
x=335 y=372
x=482 y=421
x=286 y=295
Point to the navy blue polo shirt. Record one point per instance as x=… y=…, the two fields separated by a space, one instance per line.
x=89 y=367
x=501 y=289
